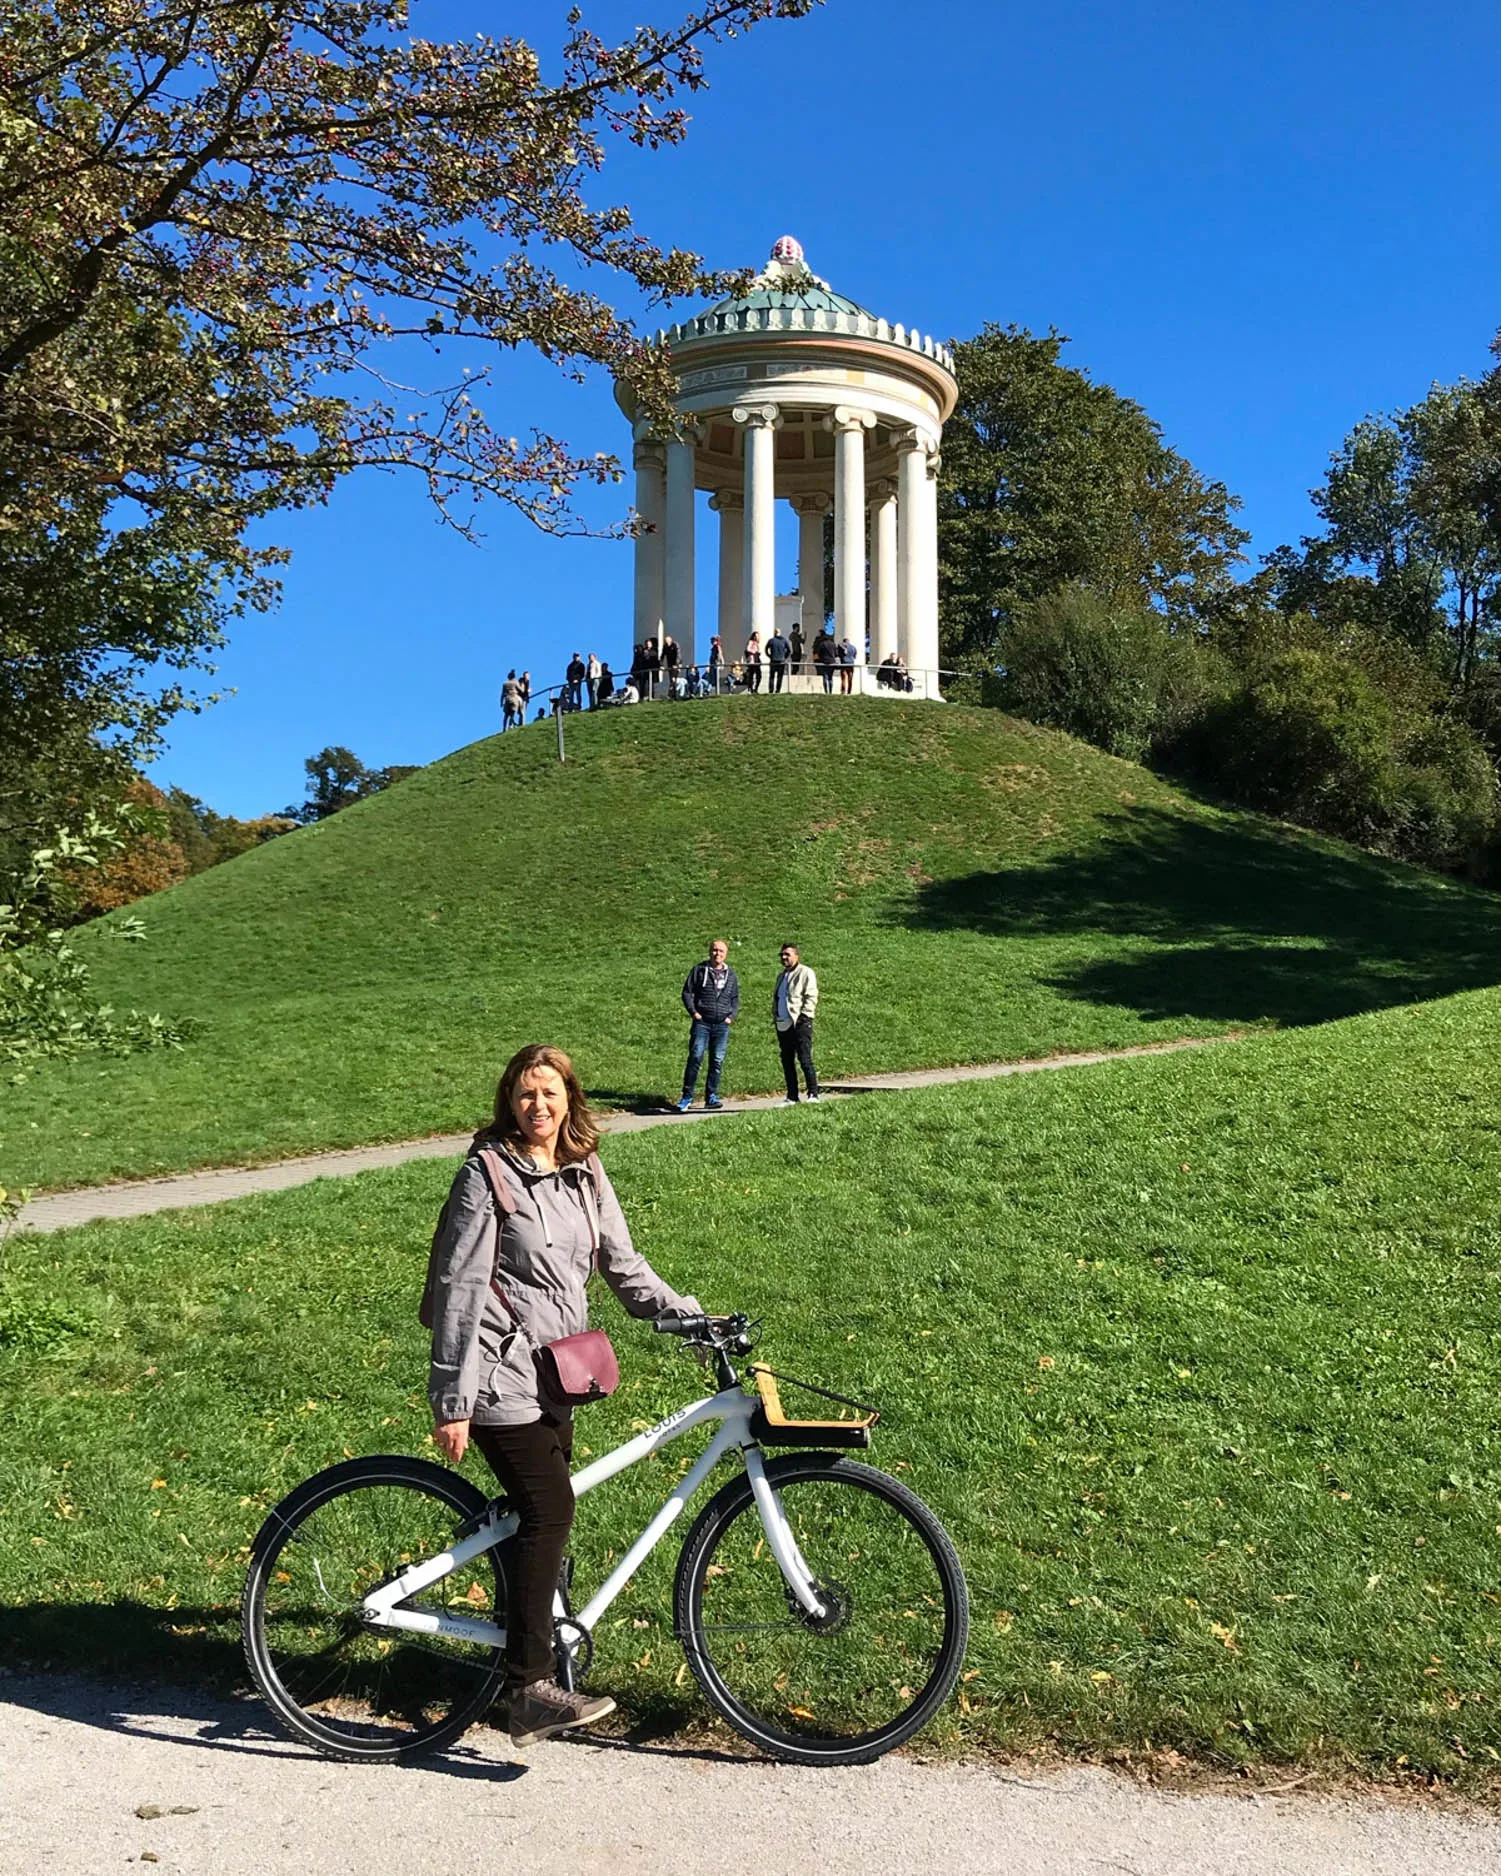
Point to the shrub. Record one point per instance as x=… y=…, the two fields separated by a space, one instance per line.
x=1093 y=666
x=1347 y=737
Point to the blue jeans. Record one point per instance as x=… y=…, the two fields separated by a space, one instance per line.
x=715 y=1038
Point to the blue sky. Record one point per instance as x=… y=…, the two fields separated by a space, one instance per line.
x=1259 y=221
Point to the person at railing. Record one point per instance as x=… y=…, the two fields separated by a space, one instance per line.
x=824 y=654
x=848 y=659
x=795 y=641
x=592 y=670
x=753 y=662
x=512 y=709
x=575 y=674
x=604 y=688
x=716 y=664
x=653 y=671
x=778 y=651
x=671 y=658
x=525 y=681
x=631 y=693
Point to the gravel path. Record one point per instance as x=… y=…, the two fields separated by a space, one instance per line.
x=54 y=1211
x=82 y=1763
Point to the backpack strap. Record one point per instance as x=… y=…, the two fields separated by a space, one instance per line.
x=494 y=1170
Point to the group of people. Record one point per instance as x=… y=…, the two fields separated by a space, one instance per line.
x=711 y=996
x=657 y=670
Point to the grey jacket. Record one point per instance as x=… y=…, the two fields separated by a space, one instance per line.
x=482 y=1367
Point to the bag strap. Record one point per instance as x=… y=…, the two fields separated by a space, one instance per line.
x=505 y=1205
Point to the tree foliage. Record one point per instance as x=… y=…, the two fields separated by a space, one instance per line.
x=232 y=239
x=1109 y=671
x=47 y=1004
x=1412 y=530
x=337 y=779
x=1049 y=479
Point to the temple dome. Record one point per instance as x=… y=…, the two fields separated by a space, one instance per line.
x=788 y=296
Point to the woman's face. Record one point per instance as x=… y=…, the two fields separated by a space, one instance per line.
x=540 y=1103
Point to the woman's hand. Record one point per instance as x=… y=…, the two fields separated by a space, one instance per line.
x=451 y=1437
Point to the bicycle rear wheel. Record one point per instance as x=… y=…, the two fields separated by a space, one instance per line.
x=843 y=1688
x=353 y=1691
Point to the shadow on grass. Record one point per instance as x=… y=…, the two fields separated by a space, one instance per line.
x=1264 y=923
x=183 y=1666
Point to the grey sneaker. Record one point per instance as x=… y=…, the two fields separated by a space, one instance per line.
x=813 y=1097
x=789 y=1100
x=544 y=1708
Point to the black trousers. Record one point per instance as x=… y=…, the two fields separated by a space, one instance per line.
x=796 y=1045
x=778 y=672
x=531 y=1463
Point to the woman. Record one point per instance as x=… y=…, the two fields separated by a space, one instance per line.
x=753 y=661
x=483 y=1382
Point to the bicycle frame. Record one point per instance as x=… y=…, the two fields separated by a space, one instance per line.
x=732 y=1409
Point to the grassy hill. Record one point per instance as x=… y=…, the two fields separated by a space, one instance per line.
x=1197 y=1355
x=967 y=887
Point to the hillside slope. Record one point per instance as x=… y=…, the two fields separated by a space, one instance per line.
x=968 y=888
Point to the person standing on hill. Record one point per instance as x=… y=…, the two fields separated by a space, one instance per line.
x=753 y=662
x=793 y=1004
x=848 y=659
x=525 y=681
x=777 y=653
x=795 y=644
x=592 y=670
x=711 y=996
x=512 y=705
x=825 y=653
x=575 y=675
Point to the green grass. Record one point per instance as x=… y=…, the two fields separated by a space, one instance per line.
x=1197 y=1356
x=968 y=888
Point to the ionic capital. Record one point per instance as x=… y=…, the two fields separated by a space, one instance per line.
x=649 y=453
x=726 y=501
x=758 y=416
x=845 y=417
x=812 y=503
x=688 y=431
x=911 y=438
x=882 y=490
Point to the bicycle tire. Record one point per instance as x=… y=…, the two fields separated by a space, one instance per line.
x=441 y=1502
x=714 y=1535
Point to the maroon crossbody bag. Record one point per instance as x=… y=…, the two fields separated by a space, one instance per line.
x=575 y=1369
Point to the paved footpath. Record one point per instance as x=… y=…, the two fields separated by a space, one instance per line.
x=92 y=1780
x=54 y=1211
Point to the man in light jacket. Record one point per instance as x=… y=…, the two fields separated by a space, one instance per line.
x=793 y=1003
x=711 y=996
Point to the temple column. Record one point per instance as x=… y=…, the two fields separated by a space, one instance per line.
x=885 y=600
x=651 y=508
x=760 y=572
x=810 y=510
x=849 y=427
x=729 y=505
x=678 y=575
x=917 y=565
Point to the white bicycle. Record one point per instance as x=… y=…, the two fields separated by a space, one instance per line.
x=819 y=1602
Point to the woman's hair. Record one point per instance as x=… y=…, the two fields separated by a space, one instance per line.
x=579 y=1134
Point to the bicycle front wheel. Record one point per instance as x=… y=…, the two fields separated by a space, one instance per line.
x=353 y=1691
x=843 y=1687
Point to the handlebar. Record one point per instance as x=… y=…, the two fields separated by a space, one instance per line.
x=723 y=1335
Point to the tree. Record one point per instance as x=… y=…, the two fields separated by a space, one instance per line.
x=337 y=779
x=1412 y=534
x=214 y=222
x=1049 y=479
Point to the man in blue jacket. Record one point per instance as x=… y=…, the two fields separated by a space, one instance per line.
x=711 y=996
